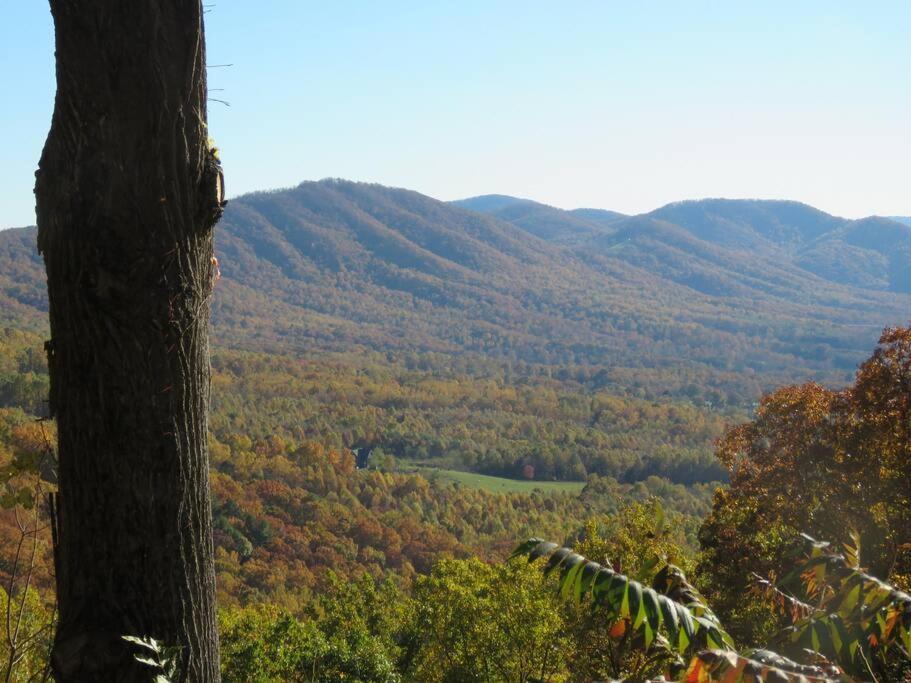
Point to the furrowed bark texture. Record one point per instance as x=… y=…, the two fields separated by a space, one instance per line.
x=128 y=192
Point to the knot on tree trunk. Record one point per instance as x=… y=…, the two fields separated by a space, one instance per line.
x=212 y=191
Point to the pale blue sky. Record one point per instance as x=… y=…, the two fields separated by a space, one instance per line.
x=620 y=105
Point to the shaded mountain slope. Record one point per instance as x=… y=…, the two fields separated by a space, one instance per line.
x=749 y=223
x=541 y=220
x=671 y=252
x=602 y=217
x=774 y=237
x=872 y=252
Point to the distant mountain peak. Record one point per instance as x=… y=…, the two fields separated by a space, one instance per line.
x=715 y=232
x=541 y=220
x=730 y=201
x=490 y=203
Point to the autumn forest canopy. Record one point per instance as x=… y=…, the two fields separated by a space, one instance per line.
x=403 y=390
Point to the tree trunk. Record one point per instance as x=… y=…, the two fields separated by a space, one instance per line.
x=128 y=191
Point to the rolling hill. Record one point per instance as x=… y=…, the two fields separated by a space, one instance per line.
x=872 y=253
x=543 y=221
x=723 y=291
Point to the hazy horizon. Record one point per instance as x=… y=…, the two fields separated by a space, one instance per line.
x=596 y=105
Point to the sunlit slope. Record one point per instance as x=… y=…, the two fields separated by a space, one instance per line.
x=336 y=265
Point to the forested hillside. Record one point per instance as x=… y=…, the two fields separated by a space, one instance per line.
x=340 y=266
x=292 y=510
x=704 y=244
x=389 y=573
x=23 y=293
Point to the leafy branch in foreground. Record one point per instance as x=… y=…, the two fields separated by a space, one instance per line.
x=857 y=617
x=760 y=665
x=163 y=661
x=670 y=614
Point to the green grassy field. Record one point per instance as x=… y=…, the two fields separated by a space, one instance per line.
x=500 y=484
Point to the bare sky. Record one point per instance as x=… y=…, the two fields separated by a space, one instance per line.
x=617 y=105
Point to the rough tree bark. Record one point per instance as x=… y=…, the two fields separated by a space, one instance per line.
x=128 y=191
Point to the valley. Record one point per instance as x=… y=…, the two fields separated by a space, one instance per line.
x=515 y=370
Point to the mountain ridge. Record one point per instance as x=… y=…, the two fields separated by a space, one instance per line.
x=870 y=253
x=343 y=266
